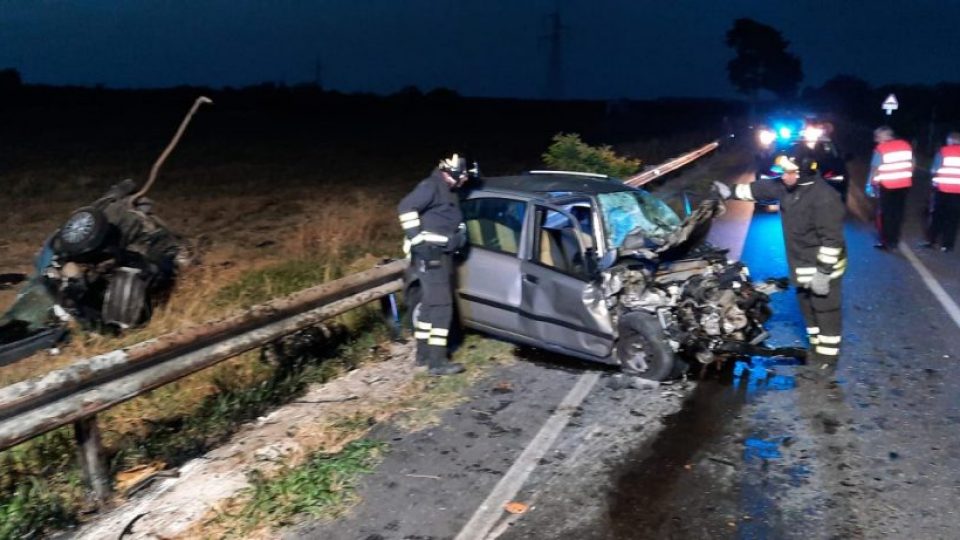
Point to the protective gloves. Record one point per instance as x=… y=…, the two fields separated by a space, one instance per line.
x=722 y=190
x=820 y=284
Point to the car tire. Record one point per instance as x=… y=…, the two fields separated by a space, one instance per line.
x=126 y=302
x=83 y=232
x=643 y=350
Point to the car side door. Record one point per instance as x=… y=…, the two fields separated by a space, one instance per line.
x=488 y=279
x=562 y=305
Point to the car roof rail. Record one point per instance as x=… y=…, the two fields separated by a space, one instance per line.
x=571 y=173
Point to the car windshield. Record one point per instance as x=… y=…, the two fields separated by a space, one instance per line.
x=625 y=212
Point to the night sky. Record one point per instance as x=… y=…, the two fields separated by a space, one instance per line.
x=612 y=49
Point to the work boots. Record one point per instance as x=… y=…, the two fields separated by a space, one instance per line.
x=824 y=365
x=822 y=371
x=439 y=364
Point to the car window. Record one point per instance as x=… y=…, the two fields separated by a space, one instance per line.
x=494 y=223
x=556 y=242
x=626 y=212
x=583 y=213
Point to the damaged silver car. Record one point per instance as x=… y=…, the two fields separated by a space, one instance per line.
x=586 y=266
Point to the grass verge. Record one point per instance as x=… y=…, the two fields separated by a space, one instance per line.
x=430 y=396
x=252 y=514
x=321 y=488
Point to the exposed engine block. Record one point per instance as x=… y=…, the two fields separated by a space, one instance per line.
x=700 y=303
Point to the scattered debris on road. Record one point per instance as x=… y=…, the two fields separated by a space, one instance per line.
x=515 y=507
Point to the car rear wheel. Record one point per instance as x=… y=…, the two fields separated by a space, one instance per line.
x=642 y=348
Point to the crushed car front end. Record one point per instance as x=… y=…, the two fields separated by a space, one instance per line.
x=664 y=283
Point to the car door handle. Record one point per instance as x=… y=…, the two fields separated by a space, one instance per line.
x=530 y=279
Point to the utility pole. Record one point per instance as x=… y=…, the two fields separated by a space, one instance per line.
x=554 y=81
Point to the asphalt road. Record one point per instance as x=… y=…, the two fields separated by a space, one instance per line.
x=756 y=451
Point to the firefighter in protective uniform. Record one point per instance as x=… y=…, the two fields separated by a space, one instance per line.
x=433 y=224
x=812 y=216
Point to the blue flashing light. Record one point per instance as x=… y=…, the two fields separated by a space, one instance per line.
x=784 y=132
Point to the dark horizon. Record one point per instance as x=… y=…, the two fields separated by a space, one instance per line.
x=627 y=49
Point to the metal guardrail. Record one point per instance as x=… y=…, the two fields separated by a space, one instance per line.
x=75 y=394
x=671 y=165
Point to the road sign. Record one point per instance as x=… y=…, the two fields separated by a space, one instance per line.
x=890 y=104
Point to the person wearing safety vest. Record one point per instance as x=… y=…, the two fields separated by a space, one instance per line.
x=945 y=199
x=891 y=175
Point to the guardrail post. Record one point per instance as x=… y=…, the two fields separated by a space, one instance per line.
x=90 y=454
x=391 y=312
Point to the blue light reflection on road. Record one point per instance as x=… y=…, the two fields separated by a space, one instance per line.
x=765 y=255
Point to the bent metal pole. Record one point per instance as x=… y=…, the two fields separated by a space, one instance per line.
x=173 y=143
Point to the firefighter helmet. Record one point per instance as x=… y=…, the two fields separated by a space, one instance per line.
x=456 y=166
x=806 y=165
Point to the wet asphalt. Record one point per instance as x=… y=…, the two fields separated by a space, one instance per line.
x=758 y=449
x=763 y=451
x=431 y=481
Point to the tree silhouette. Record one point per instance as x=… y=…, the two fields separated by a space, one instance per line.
x=762 y=61
x=848 y=93
x=10 y=79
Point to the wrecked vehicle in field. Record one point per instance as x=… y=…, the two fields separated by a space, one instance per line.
x=105 y=267
x=586 y=266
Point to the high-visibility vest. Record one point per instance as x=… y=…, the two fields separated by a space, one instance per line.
x=896 y=164
x=946 y=179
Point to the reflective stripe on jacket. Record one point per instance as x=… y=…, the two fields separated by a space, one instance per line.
x=431 y=212
x=946 y=173
x=895 y=170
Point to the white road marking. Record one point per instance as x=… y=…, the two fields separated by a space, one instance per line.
x=487 y=515
x=948 y=304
